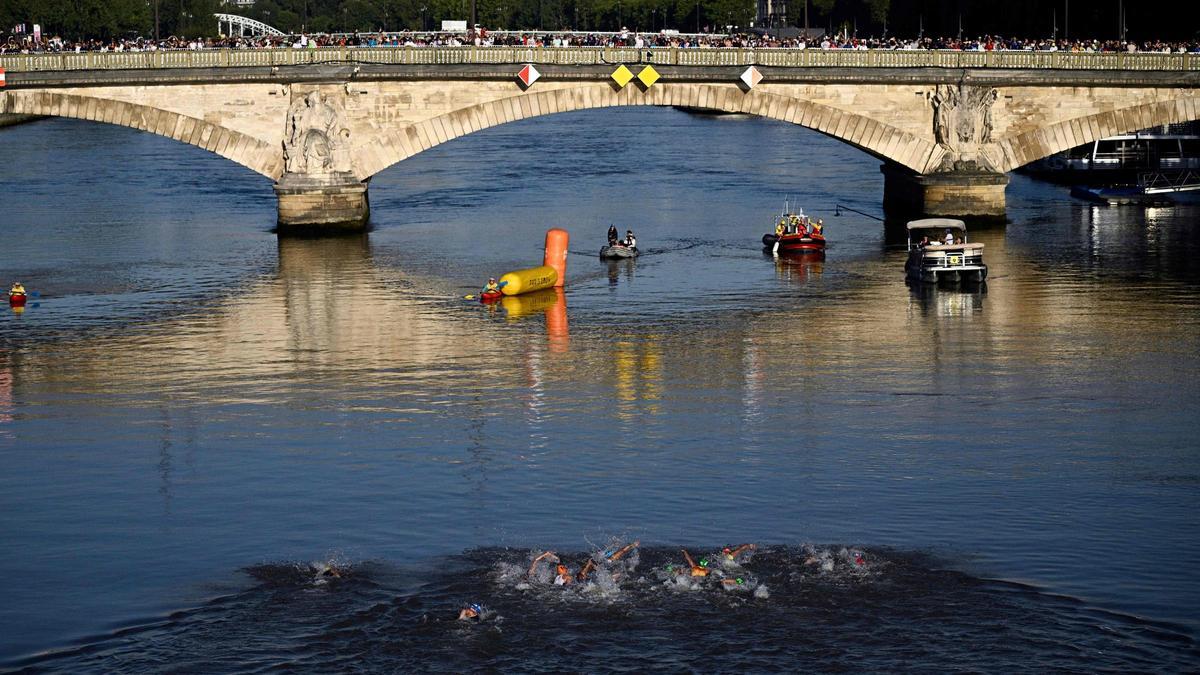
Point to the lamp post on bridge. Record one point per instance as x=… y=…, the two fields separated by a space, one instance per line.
x=1121 y=19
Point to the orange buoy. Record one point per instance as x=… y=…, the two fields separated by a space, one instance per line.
x=556 y=253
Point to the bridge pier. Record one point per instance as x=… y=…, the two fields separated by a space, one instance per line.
x=958 y=194
x=332 y=204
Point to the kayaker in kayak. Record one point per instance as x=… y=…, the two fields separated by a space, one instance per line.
x=17 y=289
x=491 y=286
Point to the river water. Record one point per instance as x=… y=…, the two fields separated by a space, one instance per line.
x=196 y=418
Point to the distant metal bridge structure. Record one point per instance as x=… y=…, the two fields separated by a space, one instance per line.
x=244 y=26
x=1159 y=182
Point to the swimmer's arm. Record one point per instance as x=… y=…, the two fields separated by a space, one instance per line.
x=587 y=569
x=691 y=563
x=540 y=558
x=624 y=551
x=744 y=547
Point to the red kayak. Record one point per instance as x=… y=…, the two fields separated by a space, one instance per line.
x=17 y=300
x=795 y=243
x=488 y=297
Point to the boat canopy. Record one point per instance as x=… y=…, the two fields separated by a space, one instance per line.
x=937 y=223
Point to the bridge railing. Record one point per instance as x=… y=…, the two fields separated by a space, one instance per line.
x=570 y=56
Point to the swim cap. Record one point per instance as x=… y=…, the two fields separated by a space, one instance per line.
x=475 y=608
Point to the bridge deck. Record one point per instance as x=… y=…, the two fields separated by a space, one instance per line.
x=576 y=56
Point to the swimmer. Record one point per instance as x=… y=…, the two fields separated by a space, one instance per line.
x=613 y=556
x=562 y=575
x=471 y=611
x=731 y=554
x=548 y=555
x=608 y=555
x=700 y=570
x=588 y=568
x=327 y=571
x=859 y=559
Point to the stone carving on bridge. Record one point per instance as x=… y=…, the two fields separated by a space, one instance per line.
x=315 y=143
x=962 y=125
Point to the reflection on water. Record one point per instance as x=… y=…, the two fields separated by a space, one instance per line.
x=798 y=268
x=195 y=397
x=623 y=267
x=947 y=302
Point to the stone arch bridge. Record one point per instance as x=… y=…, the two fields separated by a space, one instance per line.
x=948 y=126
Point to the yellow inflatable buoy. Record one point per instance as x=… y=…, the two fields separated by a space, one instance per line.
x=525 y=281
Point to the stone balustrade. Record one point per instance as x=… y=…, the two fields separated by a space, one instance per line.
x=570 y=56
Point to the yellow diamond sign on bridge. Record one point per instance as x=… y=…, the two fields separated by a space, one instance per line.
x=622 y=76
x=648 y=76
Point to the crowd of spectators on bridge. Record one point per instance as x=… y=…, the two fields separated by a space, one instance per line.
x=26 y=44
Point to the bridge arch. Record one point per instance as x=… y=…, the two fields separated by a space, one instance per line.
x=248 y=151
x=1040 y=143
x=870 y=135
x=244 y=25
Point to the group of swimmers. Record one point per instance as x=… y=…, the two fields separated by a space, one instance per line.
x=726 y=568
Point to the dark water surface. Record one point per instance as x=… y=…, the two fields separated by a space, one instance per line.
x=198 y=418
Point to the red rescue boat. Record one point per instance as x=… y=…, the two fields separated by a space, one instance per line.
x=795 y=233
x=809 y=242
